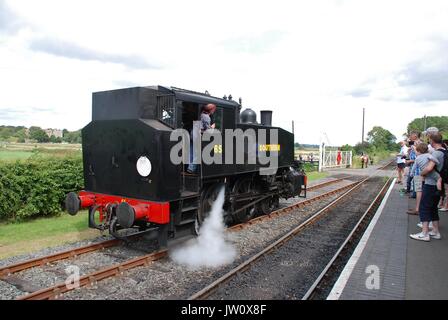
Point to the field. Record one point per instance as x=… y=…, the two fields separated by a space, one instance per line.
x=23 y=151
x=11 y=155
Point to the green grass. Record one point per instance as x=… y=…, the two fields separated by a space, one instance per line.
x=9 y=155
x=42 y=227
x=23 y=151
x=314 y=175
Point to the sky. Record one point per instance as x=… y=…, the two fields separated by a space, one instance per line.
x=318 y=63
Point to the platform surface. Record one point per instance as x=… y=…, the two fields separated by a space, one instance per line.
x=388 y=264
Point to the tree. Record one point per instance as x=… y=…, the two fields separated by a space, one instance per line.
x=11 y=133
x=55 y=139
x=381 y=138
x=362 y=147
x=38 y=134
x=21 y=135
x=72 y=136
x=347 y=147
x=418 y=124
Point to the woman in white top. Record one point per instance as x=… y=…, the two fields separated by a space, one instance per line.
x=401 y=160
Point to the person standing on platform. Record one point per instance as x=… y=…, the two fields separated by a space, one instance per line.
x=401 y=160
x=416 y=179
x=414 y=140
x=441 y=154
x=427 y=133
x=429 y=165
x=443 y=207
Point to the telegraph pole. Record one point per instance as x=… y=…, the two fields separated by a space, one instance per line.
x=292 y=126
x=363 y=119
x=424 y=128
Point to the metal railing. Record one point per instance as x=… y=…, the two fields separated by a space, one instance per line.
x=336 y=159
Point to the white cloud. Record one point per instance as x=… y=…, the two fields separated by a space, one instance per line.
x=317 y=63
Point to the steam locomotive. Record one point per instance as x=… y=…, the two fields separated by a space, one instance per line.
x=131 y=181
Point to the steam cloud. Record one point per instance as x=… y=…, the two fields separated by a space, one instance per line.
x=210 y=248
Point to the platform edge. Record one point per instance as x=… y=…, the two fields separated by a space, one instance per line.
x=340 y=284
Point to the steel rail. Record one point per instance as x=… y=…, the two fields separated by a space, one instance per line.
x=60 y=288
x=387 y=165
x=344 y=246
x=326 y=183
x=207 y=291
x=67 y=254
x=92 y=278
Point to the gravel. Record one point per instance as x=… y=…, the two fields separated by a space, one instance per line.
x=8 y=291
x=41 y=277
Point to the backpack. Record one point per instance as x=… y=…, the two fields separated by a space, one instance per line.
x=444 y=172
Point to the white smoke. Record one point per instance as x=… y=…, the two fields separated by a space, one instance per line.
x=210 y=248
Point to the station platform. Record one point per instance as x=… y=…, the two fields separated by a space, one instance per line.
x=388 y=264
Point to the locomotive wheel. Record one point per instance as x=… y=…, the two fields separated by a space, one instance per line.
x=268 y=205
x=208 y=197
x=243 y=185
x=274 y=203
x=264 y=207
x=117 y=231
x=113 y=227
x=93 y=220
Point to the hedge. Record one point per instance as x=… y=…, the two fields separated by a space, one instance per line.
x=37 y=187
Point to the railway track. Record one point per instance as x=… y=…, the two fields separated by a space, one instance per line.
x=390 y=165
x=338 y=259
x=91 y=279
x=67 y=254
x=63 y=255
x=73 y=253
x=326 y=183
x=220 y=283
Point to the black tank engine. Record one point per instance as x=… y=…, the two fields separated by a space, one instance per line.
x=130 y=178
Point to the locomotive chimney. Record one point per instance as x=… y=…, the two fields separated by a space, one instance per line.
x=266 y=118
